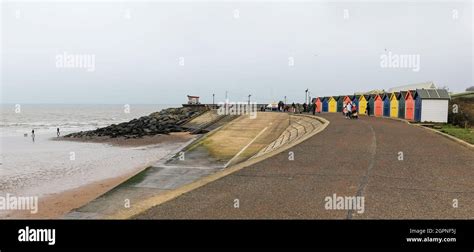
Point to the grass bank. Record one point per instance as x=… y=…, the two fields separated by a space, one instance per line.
x=466 y=134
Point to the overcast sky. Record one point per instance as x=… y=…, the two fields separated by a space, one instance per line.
x=158 y=52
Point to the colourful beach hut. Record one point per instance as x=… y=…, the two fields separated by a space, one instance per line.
x=394 y=104
x=431 y=105
x=401 y=104
x=371 y=104
x=318 y=104
x=378 y=105
x=386 y=104
x=332 y=104
x=340 y=102
x=325 y=104
x=409 y=106
x=355 y=100
x=417 y=100
x=362 y=105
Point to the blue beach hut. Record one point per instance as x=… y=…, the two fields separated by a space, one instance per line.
x=386 y=105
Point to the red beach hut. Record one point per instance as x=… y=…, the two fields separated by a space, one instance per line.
x=409 y=106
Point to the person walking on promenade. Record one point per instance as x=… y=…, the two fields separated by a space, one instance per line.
x=348 y=110
x=293 y=107
x=33 y=135
x=280 y=106
x=57 y=132
x=354 y=112
x=367 y=109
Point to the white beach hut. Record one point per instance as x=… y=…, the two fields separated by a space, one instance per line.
x=431 y=105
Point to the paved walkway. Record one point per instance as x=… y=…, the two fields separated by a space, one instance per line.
x=350 y=157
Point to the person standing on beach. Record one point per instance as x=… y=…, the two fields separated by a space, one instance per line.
x=57 y=133
x=33 y=135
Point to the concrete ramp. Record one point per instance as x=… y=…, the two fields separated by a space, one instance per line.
x=235 y=141
x=207 y=121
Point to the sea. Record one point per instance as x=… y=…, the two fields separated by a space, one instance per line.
x=17 y=119
x=45 y=167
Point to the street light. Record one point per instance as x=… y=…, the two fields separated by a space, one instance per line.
x=306 y=96
x=213 y=95
x=249 y=98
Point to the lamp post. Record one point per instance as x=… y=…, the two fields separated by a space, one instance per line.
x=285 y=99
x=226 y=105
x=306 y=96
x=249 y=99
x=213 y=95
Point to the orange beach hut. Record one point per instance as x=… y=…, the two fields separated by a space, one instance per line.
x=319 y=105
x=378 y=105
x=409 y=106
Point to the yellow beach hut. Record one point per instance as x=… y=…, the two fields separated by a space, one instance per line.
x=394 y=105
x=362 y=105
x=332 y=104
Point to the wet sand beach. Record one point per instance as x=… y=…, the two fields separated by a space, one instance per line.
x=62 y=184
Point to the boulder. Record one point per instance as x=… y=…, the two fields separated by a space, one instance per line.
x=162 y=122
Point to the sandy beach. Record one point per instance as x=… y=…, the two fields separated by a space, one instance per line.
x=96 y=175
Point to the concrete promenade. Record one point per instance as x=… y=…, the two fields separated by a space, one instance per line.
x=349 y=158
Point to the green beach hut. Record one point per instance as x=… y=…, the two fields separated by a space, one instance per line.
x=340 y=101
x=401 y=104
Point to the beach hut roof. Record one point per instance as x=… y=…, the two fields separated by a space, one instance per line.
x=401 y=94
x=411 y=92
x=343 y=97
x=397 y=94
x=435 y=94
x=380 y=95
